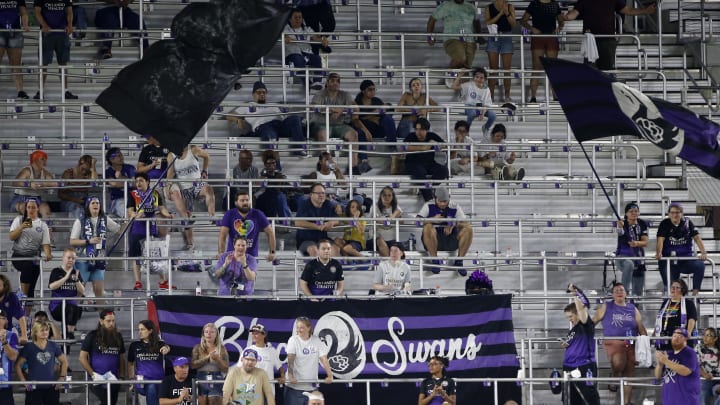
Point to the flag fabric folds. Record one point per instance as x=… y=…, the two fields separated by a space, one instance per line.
x=174 y=89
x=596 y=106
x=383 y=338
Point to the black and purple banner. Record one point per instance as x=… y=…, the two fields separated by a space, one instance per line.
x=597 y=106
x=383 y=338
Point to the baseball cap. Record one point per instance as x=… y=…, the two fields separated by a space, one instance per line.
x=259 y=85
x=442 y=194
x=315 y=395
x=180 y=361
x=106 y=312
x=250 y=354
x=681 y=331
x=258 y=328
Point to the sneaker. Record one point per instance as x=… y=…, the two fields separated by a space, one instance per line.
x=520 y=174
x=189 y=246
x=435 y=270
x=300 y=153
x=505 y=173
x=461 y=271
x=22 y=95
x=138 y=286
x=70 y=96
x=532 y=100
x=70 y=335
x=485 y=131
x=105 y=54
x=165 y=286
x=364 y=167
x=36 y=96
x=316 y=86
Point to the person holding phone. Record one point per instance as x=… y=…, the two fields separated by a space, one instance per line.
x=66 y=282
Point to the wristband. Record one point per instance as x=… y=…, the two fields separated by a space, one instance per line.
x=430 y=38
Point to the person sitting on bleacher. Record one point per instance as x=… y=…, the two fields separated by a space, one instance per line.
x=109 y=18
x=442 y=235
x=392 y=276
x=185 y=193
x=152 y=160
x=244 y=170
x=144 y=204
x=475 y=93
x=299 y=52
x=316 y=206
x=342 y=120
x=354 y=239
x=74 y=193
x=322 y=275
x=89 y=235
x=503 y=167
x=27 y=187
x=421 y=165
x=387 y=206
x=414 y=97
x=329 y=172
x=236 y=270
x=268 y=123
x=379 y=124
x=461 y=159
x=119 y=170
x=246 y=222
x=272 y=200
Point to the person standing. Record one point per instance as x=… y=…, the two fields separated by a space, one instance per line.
x=14 y=15
x=708 y=352
x=675 y=236
x=620 y=318
x=269 y=359
x=500 y=19
x=632 y=238
x=236 y=270
x=679 y=371
x=55 y=15
x=248 y=223
x=146 y=360
x=247 y=384
x=675 y=312
x=579 y=351
x=304 y=352
x=211 y=361
x=66 y=282
x=8 y=355
x=458 y=18
x=118 y=170
x=40 y=355
x=101 y=356
x=545 y=15
x=176 y=389
x=13 y=308
x=438 y=389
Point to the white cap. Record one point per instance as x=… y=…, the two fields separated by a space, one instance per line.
x=315 y=395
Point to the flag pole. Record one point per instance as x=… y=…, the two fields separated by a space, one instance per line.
x=602 y=186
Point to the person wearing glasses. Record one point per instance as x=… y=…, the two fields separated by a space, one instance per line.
x=675 y=236
x=316 y=206
x=437 y=389
x=708 y=352
x=675 y=312
x=679 y=370
x=377 y=122
x=269 y=358
x=620 y=318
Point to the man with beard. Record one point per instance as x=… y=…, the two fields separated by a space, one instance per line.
x=679 y=371
x=247 y=222
x=101 y=355
x=74 y=194
x=247 y=384
x=177 y=387
x=268 y=122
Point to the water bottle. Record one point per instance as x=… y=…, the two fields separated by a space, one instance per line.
x=68 y=378
x=411 y=242
x=554 y=374
x=628 y=333
x=198 y=289
x=291 y=73
x=589 y=375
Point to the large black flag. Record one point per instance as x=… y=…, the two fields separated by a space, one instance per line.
x=596 y=106
x=174 y=89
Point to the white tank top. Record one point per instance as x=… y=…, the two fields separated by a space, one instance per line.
x=188 y=168
x=29 y=192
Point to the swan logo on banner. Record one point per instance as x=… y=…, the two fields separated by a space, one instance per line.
x=346 y=346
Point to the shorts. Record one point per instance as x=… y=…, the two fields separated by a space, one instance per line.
x=500 y=44
x=57 y=43
x=89 y=272
x=613 y=347
x=10 y=40
x=303 y=248
x=337 y=131
x=460 y=50
x=135 y=247
x=446 y=243
x=355 y=244
x=189 y=195
x=210 y=390
x=546 y=44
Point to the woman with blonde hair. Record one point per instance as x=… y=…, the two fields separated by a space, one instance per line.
x=40 y=354
x=211 y=361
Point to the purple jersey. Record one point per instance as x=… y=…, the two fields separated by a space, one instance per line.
x=12 y=305
x=148 y=363
x=53 y=11
x=679 y=389
x=127 y=171
x=105 y=358
x=581 y=347
x=10 y=13
x=150 y=207
x=248 y=226
x=619 y=320
x=678 y=238
x=234 y=274
x=67 y=289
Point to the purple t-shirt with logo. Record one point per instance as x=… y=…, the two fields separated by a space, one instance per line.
x=148 y=363
x=248 y=226
x=103 y=359
x=581 y=347
x=68 y=289
x=53 y=11
x=12 y=305
x=678 y=238
x=679 y=389
x=10 y=13
x=618 y=320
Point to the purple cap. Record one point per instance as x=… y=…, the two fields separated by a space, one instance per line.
x=180 y=361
